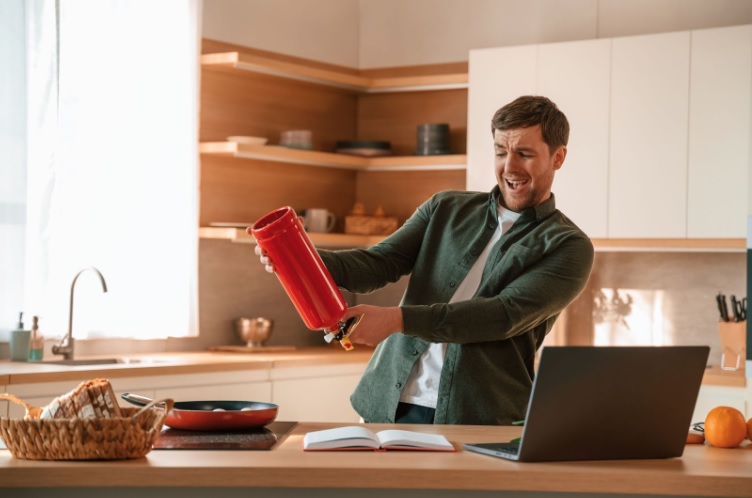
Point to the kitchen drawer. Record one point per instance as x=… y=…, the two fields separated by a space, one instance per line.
x=248 y=391
x=316 y=394
x=4 y=404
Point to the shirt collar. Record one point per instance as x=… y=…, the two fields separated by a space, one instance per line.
x=536 y=213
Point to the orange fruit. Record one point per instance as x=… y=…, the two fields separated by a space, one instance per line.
x=725 y=427
x=749 y=428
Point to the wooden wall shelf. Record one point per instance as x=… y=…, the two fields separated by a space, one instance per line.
x=340 y=240
x=324 y=240
x=333 y=160
x=239 y=61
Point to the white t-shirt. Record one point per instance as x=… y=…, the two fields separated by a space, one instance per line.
x=423 y=384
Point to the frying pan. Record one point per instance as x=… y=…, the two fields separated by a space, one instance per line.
x=214 y=415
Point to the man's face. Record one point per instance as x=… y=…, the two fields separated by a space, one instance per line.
x=524 y=167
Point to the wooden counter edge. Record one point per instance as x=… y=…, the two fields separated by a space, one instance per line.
x=190 y=363
x=702 y=471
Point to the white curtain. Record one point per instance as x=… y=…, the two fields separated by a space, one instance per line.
x=12 y=162
x=112 y=166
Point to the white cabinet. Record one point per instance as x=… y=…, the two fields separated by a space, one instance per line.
x=720 y=115
x=4 y=404
x=496 y=77
x=311 y=393
x=236 y=385
x=661 y=127
x=648 y=153
x=712 y=396
x=40 y=394
x=243 y=385
x=576 y=75
x=316 y=394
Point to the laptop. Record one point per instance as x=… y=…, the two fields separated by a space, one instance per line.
x=607 y=403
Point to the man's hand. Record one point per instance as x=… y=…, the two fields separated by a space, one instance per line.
x=264 y=259
x=377 y=323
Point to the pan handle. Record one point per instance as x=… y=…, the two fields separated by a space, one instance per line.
x=136 y=399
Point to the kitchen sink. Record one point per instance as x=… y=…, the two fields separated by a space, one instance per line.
x=107 y=361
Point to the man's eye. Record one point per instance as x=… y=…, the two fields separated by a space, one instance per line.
x=501 y=153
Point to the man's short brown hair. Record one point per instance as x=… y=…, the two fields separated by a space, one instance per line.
x=531 y=110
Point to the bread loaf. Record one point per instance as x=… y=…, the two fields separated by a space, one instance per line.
x=93 y=398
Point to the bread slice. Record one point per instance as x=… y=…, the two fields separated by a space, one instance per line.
x=92 y=398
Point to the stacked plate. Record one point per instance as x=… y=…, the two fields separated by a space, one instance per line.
x=366 y=148
x=247 y=140
x=433 y=139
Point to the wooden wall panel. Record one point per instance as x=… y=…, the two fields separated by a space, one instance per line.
x=396 y=116
x=243 y=190
x=255 y=104
x=401 y=192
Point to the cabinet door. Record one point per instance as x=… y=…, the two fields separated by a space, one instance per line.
x=719 y=132
x=576 y=75
x=249 y=391
x=496 y=77
x=316 y=394
x=4 y=404
x=712 y=396
x=649 y=118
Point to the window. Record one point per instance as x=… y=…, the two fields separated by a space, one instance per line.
x=106 y=173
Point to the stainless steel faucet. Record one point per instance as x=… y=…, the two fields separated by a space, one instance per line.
x=65 y=347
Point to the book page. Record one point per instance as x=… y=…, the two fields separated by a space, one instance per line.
x=394 y=437
x=340 y=437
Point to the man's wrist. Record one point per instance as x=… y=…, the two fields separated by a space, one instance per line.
x=398 y=323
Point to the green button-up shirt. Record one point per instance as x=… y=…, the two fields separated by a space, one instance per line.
x=539 y=266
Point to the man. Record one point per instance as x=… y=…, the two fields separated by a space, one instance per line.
x=489 y=275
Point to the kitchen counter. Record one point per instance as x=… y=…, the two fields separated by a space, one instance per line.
x=12 y=372
x=288 y=471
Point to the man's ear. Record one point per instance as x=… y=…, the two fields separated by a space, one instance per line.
x=559 y=155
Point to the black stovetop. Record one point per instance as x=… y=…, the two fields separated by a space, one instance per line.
x=264 y=438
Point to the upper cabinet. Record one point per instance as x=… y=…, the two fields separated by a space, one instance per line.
x=570 y=74
x=660 y=130
x=720 y=113
x=648 y=144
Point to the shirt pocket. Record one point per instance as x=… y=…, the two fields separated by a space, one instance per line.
x=513 y=263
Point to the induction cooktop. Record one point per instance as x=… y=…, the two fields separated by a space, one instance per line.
x=264 y=438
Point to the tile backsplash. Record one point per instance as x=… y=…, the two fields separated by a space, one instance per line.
x=655 y=298
x=631 y=298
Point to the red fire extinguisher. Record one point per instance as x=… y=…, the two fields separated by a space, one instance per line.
x=303 y=275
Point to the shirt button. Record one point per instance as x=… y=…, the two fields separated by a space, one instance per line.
x=415 y=352
x=452 y=284
x=398 y=385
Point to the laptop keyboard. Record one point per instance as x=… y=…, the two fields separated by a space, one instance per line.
x=511 y=448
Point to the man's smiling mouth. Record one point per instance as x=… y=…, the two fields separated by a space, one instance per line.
x=515 y=184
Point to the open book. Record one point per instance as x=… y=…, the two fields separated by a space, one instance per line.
x=359 y=438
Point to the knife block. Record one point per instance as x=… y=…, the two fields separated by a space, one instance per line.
x=733 y=345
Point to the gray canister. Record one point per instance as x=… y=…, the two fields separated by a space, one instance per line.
x=433 y=139
x=19 y=345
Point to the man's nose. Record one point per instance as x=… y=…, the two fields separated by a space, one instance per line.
x=512 y=163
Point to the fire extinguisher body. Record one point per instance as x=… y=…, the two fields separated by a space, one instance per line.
x=302 y=273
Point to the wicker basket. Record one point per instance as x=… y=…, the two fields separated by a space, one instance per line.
x=86 y=438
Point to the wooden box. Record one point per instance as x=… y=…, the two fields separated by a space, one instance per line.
x=370 y=225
